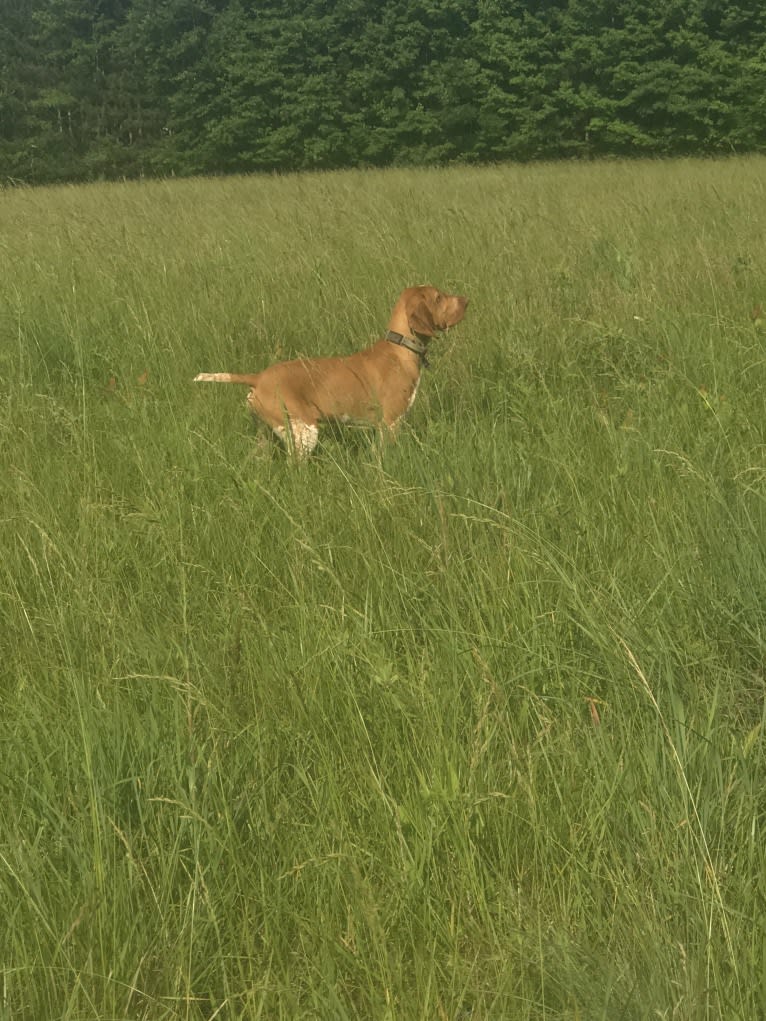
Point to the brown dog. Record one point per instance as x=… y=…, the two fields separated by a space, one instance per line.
x=377 y=385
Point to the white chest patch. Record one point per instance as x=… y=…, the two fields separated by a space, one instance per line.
x=413 y=395
x=410 y=402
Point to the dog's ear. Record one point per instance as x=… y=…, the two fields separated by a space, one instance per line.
x=421 y=319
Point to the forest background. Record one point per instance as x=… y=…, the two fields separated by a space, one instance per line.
x=129 y=88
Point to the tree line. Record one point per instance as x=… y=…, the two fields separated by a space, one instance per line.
x=123 y=88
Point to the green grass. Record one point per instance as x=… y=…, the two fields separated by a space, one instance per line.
x=303 y=741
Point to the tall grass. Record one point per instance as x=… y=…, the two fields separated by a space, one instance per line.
x=470 y=728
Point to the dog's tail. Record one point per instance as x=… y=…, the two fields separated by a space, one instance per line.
x=224 y=377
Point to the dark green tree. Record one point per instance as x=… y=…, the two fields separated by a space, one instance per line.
x=105 y=88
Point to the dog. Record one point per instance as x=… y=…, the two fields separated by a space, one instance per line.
x=375 y=386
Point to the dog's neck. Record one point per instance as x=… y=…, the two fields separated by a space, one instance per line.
x=411 y=343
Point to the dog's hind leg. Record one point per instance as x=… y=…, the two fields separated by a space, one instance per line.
x=301 y=438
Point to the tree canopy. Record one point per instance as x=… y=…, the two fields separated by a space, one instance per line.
x=122 y=88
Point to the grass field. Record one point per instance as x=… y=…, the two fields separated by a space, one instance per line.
x=469 y=729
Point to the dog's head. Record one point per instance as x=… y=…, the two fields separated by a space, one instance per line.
x=428 y=310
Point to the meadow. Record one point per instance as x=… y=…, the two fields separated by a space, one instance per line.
x=469 y=728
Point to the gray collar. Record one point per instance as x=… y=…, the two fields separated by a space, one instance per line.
x=411 y=344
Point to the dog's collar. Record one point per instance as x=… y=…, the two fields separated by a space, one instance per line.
x=411 y=344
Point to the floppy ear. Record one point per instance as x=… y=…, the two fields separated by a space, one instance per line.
x=421 y=320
